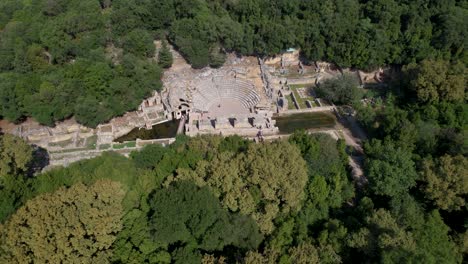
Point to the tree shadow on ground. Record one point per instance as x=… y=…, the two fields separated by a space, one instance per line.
x=40 y=159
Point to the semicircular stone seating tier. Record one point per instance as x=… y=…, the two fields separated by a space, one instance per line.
x=209 y=92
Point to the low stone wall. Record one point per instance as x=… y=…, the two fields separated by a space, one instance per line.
x=295 y=102
x=308 y=110
x=65 y=158
x=161 y=141
x=305 y=80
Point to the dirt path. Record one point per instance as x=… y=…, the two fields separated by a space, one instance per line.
x=354 y=136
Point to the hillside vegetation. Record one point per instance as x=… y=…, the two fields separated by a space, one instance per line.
x=90 y=58
x=227 y=200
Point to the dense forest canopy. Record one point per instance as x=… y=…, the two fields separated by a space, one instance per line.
x=93 y=59
x=227 y=200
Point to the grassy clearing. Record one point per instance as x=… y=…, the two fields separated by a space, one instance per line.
x=68 y=150
x=61 y=144
x=91 y=142
x=104 y=146
x=130 y=144
x=302 y=101
x=291 y=104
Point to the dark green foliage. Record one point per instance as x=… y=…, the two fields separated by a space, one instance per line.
x=390 y=169
x=434 y=243
x=217 y=58
x=186 y=255
x=12 y=192
x=109 y=166
x=149 y=156
x=434 y=81
x=93 y=60
x=45 y=38
x=384 y=238
x=184 y=214
x=342 y=90
x=139 y=42
x=15 y=156
x=233 y=143
x=328 y=186
x=54 y=63
x=167 y=221
x=165 y=56
x=349 y=33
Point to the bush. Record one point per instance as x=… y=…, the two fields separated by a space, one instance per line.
x=342 y=90
x=139 y=42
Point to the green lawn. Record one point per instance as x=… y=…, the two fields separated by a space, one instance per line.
x=69 y=150
x=301 y=101
x=61 y=143
x=130 y=144
x=91 y=142
x=291 y=104
x=104 y=146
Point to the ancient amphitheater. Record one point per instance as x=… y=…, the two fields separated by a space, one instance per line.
x=233 y=95
x=228 y=100
x=238 y=98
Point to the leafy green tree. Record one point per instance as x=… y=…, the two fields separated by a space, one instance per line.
x=187 y=255
x=304 y=254
x=328 y=186
x=149 y=156
x=342 y=90
x=268 y=256
x=9 y=101
x=54 y=7
x=234 y=144
x=58 y=42
x=446 y=181
x=140 y=43
x=437 y=80
x=184 y=214
x=407 y=211
x=13 y=189
x=110 y=165
x=165 y=56
x=389 y=168
x=273 y=175
x=15 y=155
x=433 y=244
x=79 y=225
x=7 y=9
x=217 y=58
x=90 y=112
x=450 y=33
x=134 y=243
x=381 y=234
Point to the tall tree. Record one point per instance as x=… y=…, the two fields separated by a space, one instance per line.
x=341 y=90
x=381 y=233
x=15 y=155
x=390 y=169
x=139 y=42
x=435 y=81
x=71 y=225
x=165 y=56
x=272 y=175
x=191 y=218
x=446 y=181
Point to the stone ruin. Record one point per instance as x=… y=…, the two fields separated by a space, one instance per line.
x=238 y=98
x=219 y=101
x=247 y=125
